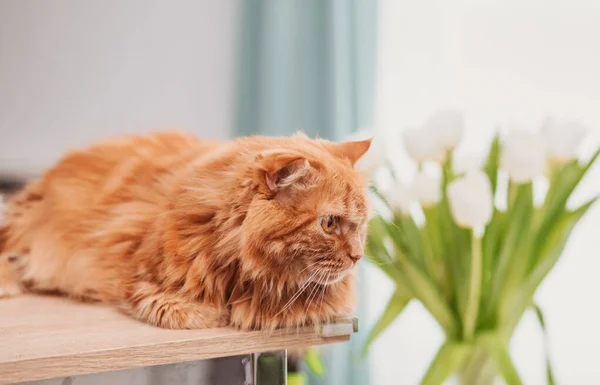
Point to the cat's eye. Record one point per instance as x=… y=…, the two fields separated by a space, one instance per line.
x=328 y=223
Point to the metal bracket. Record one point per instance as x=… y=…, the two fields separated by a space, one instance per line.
x=248 y=364
x=270 y=368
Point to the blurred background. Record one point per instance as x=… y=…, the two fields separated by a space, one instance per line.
x=72 y=72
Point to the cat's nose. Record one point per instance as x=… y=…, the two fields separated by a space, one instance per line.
x=355 y=248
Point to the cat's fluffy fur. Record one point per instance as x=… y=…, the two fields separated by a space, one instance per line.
x=184 y=233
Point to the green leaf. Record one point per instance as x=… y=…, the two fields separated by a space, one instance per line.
x=494 y=236
x=448 y=259
x=395 y=306
x=552 y=249
x=377 y=233
x=562 y=185
x=410 y=274
x=540 y=317
x=555 y=243
x=388 y=268
x=431 y=247
x=380 y=196
x=455 y=244
x=314 y=362
x=378 y=254
x=517 y=244
x=406 y=238
x=567 y=180
x=493 y=239
x=491 y=165
x=431 y=231
x=512 y=261
x=425 y=291
x=590 y=163
x=447 y=360
x=375 y=248
x=499 y=351
x=406 y=271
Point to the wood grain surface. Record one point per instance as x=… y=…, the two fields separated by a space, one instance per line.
x=45 y=337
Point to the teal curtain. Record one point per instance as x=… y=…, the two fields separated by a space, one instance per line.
x=308 y=65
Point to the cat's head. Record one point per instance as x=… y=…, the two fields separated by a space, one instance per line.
x=308 y=220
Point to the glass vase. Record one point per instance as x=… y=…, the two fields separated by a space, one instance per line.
x=478 y=368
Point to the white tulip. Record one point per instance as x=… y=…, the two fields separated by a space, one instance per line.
x=523 y=156
x=465 y=163
x=426 y=189
x=374 y=158
x=399 y=198
x=471 y=201
x=562 y=139
x=421 y=145
x=447 y=127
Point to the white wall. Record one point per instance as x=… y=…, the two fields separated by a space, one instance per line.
x=498 y=61
x=74 y=71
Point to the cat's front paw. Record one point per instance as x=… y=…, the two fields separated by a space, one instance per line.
x=9 y=290
x=176 y=313
x=192 y=316
x=9 y=283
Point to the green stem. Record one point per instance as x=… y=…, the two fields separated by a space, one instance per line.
x=472 y=307
x=498 y=349
x=431 y=227
x=429 y=258
x=432 y=243
x=478 y=369
x=447 y=360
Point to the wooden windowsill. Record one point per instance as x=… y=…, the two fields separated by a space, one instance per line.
x=46 y=337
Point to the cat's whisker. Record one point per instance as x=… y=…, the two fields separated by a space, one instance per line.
x=298 y=293
x=310 y=265
x=310 y=296
x=323 y=295
x=323 y=291
x=316 y=291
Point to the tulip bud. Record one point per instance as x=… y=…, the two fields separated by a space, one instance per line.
x=471 y=201
x=421 y=145
x=462 y=164
x=523 y=156
x=426 y=189
x=399 y=198
x=446 y=128
x=562 y=139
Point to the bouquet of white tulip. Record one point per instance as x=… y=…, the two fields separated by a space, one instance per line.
x=474 y=266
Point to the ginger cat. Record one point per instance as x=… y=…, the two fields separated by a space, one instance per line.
x=255 y=233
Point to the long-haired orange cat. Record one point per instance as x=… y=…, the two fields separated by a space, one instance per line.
x=256 y=233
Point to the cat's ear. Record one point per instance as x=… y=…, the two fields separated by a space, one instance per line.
x=282 y=169
x=350 y=150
